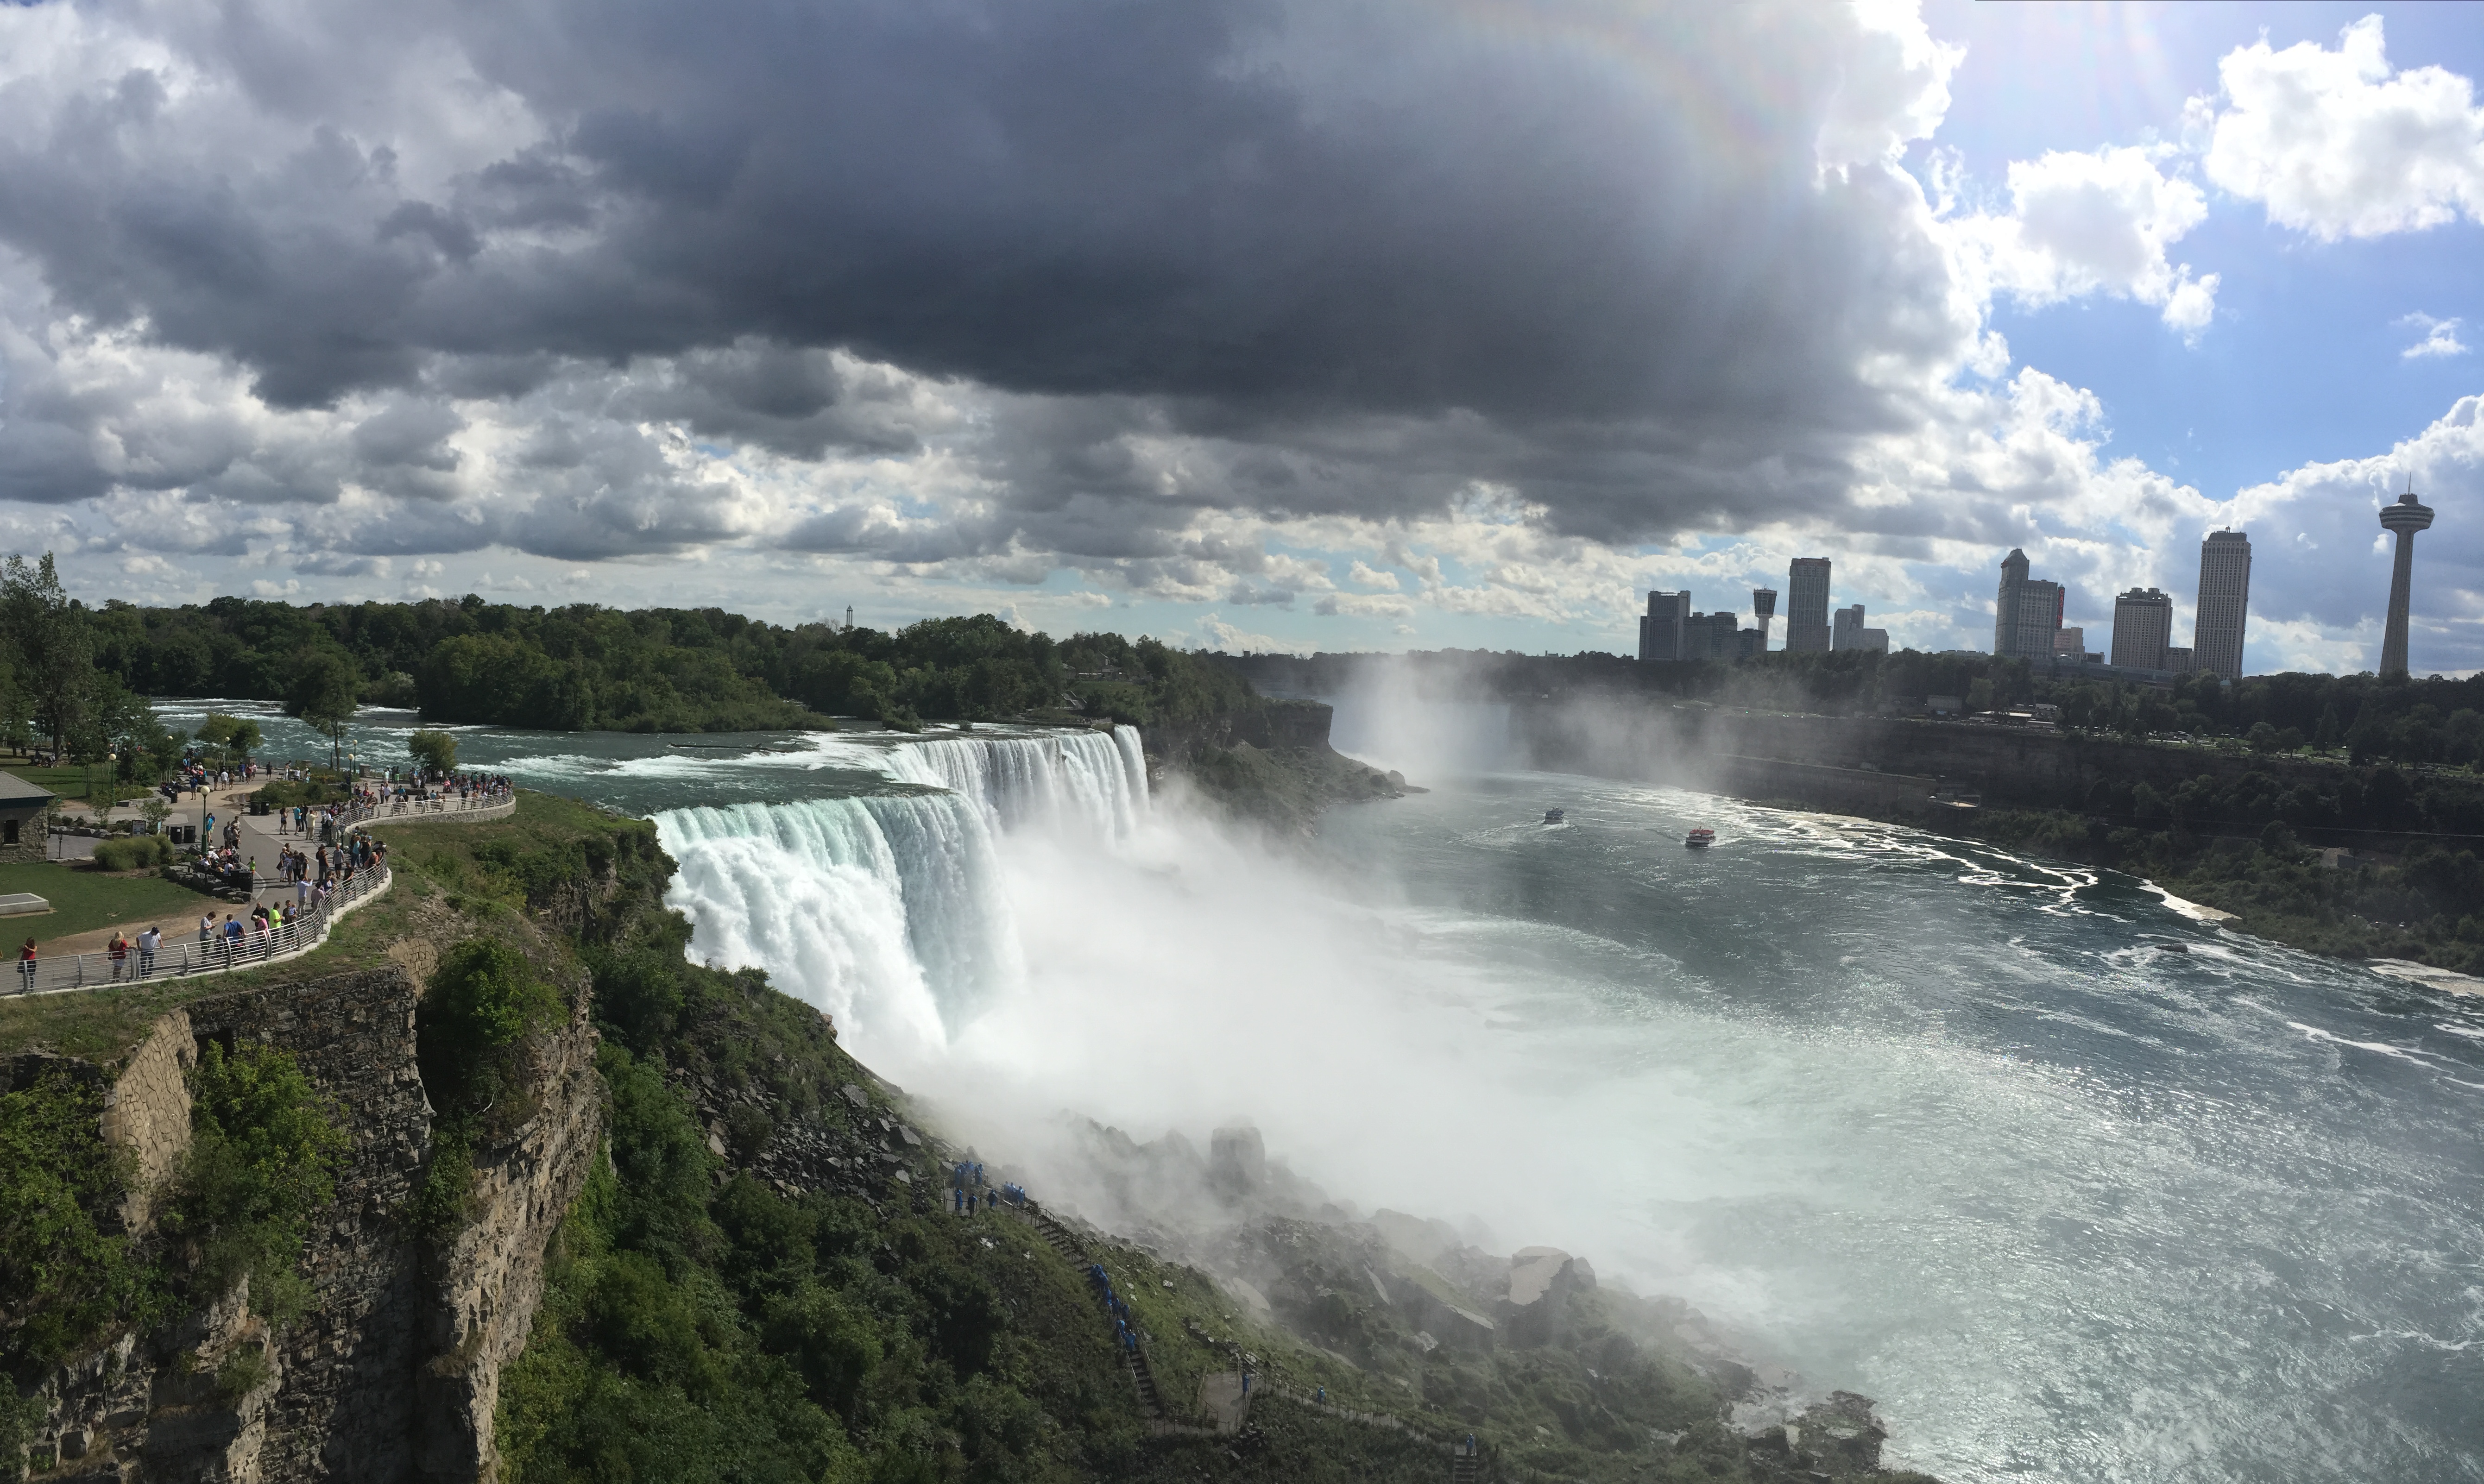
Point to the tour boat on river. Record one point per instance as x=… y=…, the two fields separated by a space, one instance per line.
x=1701 y=838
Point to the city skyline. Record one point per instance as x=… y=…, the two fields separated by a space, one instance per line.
x=2031 y=614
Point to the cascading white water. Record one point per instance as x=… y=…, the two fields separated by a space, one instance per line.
x=888 y=911
x=1073 y=779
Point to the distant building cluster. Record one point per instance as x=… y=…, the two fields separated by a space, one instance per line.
x=2028 y=611
x=2027 y=619
x=1671 y=631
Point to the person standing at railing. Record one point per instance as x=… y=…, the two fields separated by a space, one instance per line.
x=118 y=951
x=148 y=942
x=232 y=938
x=26 y=965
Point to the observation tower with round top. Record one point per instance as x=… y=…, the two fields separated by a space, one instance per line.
x=2405 y=517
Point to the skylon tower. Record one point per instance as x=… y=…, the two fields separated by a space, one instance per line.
x=2406 y=517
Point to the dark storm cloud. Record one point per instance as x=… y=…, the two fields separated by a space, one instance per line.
x=1360 y=254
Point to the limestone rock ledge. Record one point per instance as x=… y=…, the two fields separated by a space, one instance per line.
x=492 y=1278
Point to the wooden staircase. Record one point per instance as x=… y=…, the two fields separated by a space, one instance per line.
x=1061 y=1240
x=1148 y=1397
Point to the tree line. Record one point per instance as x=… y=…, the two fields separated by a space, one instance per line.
x=74 y=678
x=2430 y=722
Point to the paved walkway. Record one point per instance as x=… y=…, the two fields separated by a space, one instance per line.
x=263 y=838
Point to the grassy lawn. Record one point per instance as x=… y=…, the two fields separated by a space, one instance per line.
x=70 y=782
x=83 y=901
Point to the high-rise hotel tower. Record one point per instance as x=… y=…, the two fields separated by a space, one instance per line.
x=2225 y=596
x=1661 y=627
x=1807 y=605
x=2143 y=629
x=2027 y=612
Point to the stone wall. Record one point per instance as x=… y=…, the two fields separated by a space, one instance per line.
x=148 y=1112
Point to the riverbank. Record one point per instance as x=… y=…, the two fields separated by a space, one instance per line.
x=2367 y=909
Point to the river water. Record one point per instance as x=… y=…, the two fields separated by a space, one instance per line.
x=1956 y=1129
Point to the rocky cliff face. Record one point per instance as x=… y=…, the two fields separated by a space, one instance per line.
x=392 y=1374
x=1276 y=724
x=491 y=1278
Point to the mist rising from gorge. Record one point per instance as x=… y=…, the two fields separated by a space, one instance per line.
x=1850 y=1087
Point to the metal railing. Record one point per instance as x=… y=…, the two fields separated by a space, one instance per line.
x=190 y=956
x=468 y=807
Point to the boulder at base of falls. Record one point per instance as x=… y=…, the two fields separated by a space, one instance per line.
x=1536 y=1309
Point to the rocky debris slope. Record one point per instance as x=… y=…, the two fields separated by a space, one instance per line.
x=1529 y=1345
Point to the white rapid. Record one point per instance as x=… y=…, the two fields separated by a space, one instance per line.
x=889 y=912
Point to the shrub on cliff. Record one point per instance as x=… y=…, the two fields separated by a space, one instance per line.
x=62 y=1278
x=484 y=1000
x=263 y=1155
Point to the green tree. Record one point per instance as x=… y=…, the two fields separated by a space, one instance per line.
x=2463 y=736
x=236 y=735
x=435 y=750
x=324 y=689
x=122 y=724
x=2324 y=736
x=62 y=1274
x=47 y=638
x=2365 y=737
x=263 y=1155
x=17 y=712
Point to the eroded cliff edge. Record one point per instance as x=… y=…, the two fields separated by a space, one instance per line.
x=390 y=1372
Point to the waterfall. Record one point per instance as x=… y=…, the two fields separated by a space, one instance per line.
x=1089 y=780
x=887 y=911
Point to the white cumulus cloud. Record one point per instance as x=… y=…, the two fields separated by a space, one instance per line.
x=2083 y=223
x=2440 y=337
x=2334 y=143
